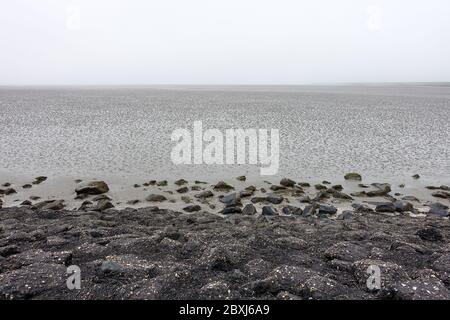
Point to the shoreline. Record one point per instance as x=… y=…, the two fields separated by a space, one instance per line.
x=177 y=194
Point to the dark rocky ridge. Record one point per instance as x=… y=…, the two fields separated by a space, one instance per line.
x=160 y=254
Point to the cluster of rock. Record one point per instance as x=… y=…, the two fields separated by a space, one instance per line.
x=152 y=253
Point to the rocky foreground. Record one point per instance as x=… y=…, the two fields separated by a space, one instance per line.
x=151 y=253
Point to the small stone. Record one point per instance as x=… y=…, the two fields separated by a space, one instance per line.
x=241 y=178
x=137 y=185
x=362 y=208
x=320 y=187
x=291 y=210
x=183 y=190
x=222 y=186
x=338 y=187
x=249 y=209
x=325 y=209
x=92 y=187
x=50 y=205
x=403 y=206
x=269 y=211
x=346 y=215
x=410 y=198
x=205 y=194
x=304 y=184
x=103 y=205
x=441 y=194
x=286 y=182
x=231 y=200
x=180 y=182
x=274 y=199
x=192 y=208
x=353 y=176
x=231 y=210
x=416 y=176
x=385 y=207
x=274 y=187
x=39 y=180
x=27 y=186
x=162 y=183
x=9 y=191
x=155 y=198
x=26 y=203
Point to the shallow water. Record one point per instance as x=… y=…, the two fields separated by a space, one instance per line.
x=384 y=132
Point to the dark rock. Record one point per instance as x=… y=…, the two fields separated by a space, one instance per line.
x=403 y=206
x=231 y=200
x=274 y=187
x=162 y=183
x=346 y=215
x=326 y=182
x=361 y=208
x=196 y=188
x=50 y=205
x=34 y=198
x=274 y=199
x=192 y=208
x=231 y=210
x=180 y=182
x=86 y=205
x=438 y=211
x=246 y=193
x=39 y=180
x=27 y=186
x=291 y=210
x=416 y=176
x=328 y=210
x=26 y=203
x=249 y=209
x=137 y=185
x=362 y=185
x=304 y=184
x=92 y=187
x=204 y=194
x=183 y=190
x=385 y=207
x=241 y=178
x=8 y=191
x=441 y=194
x=320 y=187
x=337 y=187
x=103 y=205
x=310 y=210
x=6 y=184
x=340 y=195
x=285 y=182
x=320 y=196
x=353 y=176
x=155 y=198
x=269 y=211
x=410 y=198
x=222 y=186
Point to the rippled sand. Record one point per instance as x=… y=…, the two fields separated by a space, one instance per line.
x=386 y=133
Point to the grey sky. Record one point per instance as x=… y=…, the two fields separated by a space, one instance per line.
x=223 y=42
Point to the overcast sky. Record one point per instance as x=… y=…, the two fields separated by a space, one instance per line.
x=223 y=42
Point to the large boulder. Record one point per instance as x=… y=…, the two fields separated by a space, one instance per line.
x=92 y=187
